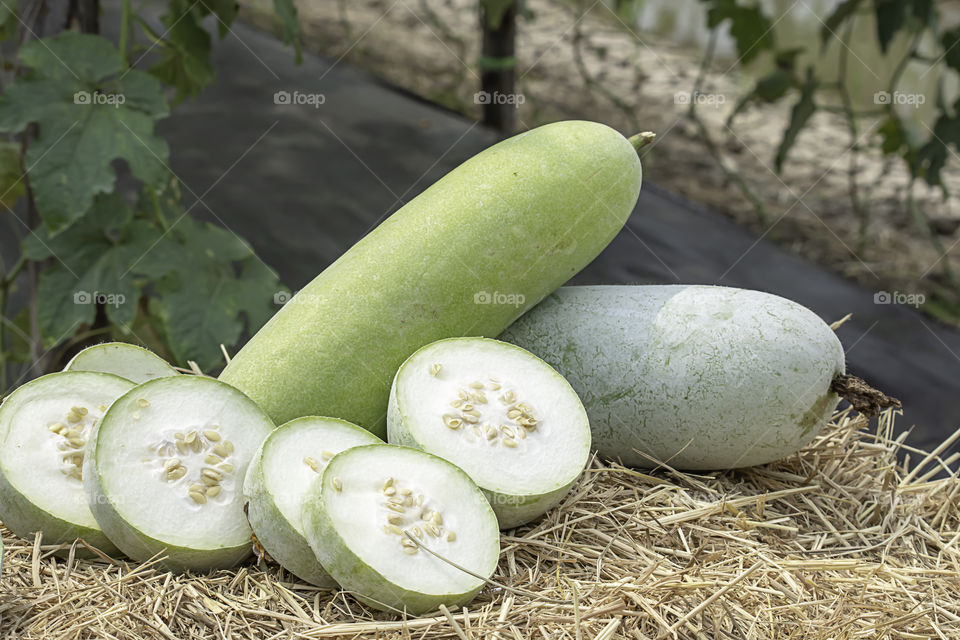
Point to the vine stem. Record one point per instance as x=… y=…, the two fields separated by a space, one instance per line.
x=759 y=209
x=851 y=118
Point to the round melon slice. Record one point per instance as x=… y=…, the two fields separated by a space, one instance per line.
x=357 y=514
x=498 y=412
x=44 y=427
x=281 y=474
x=164 y=471
x=122 y=359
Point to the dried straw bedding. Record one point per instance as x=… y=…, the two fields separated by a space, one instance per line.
x=839 y=541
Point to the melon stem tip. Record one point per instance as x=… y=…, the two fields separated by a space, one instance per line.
x=640 y=140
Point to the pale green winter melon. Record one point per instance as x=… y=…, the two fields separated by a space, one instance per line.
x=378 y=518
x=129 y=361
x=280 y=475
x=467 y=257
x=44 y=428
x=699 y=377
x=499 y=413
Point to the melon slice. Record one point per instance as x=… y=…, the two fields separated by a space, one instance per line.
x=125 y=360
x=500 y=413
x=281 y=473
x=357 y=514
x=44 y=427
x=164 y=471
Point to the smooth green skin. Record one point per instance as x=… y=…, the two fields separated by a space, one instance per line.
x=355 y=575
x=698 y=377
x=277 y=535
x=24 y=518
x=520 y=218
x=512 y=510
x=133 y=543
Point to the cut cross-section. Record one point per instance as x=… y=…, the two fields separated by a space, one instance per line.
x=164 y=472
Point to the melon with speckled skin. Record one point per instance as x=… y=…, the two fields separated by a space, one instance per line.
x=465 y=258
x=699 y=377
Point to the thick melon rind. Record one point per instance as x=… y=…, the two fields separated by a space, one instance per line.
x=136 y=544
x=355 y=575
x=700 y=377
x=511 y=509
x=273 y=530
x=23 y=517
x=516 y=222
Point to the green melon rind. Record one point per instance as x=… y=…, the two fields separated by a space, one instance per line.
x=161 y=368
x=355 y=575
x=274 y=532
x=519 y=219
x=512 y=510
x=699 y=377
x=24 y=518
x=137 y=545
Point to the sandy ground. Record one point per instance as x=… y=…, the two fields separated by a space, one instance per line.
x=592 y=66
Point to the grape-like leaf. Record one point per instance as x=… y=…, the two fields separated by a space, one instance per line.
x=185 y=57
x=799 y=115
x=287 y=13
x=209 y=279
x=750 y=28
x=92 y=263
x=951 y=47
x=890 y=15
x=85 y=122
x=840 y=15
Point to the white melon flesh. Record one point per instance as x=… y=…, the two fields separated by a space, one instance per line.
x=356 y=515
x=125 y=360
x=44 y=428
x=281 y=474
x=498 y=412
x=164 y=472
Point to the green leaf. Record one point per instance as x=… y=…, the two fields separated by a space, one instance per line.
x=890 y=16
x=750 y=28
x=225 y=10
x=85 y=122
x=73 y=57
x=891 y=136
x=203 y=299
x=840 y=15
x=773 y=86
x=495 y=10
x=799 y=115
x=185 y=58
x=951 y=47
x=12 y=187
x=287 y=13
x=94 y=262
x=932 y=156
x=922 y=10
